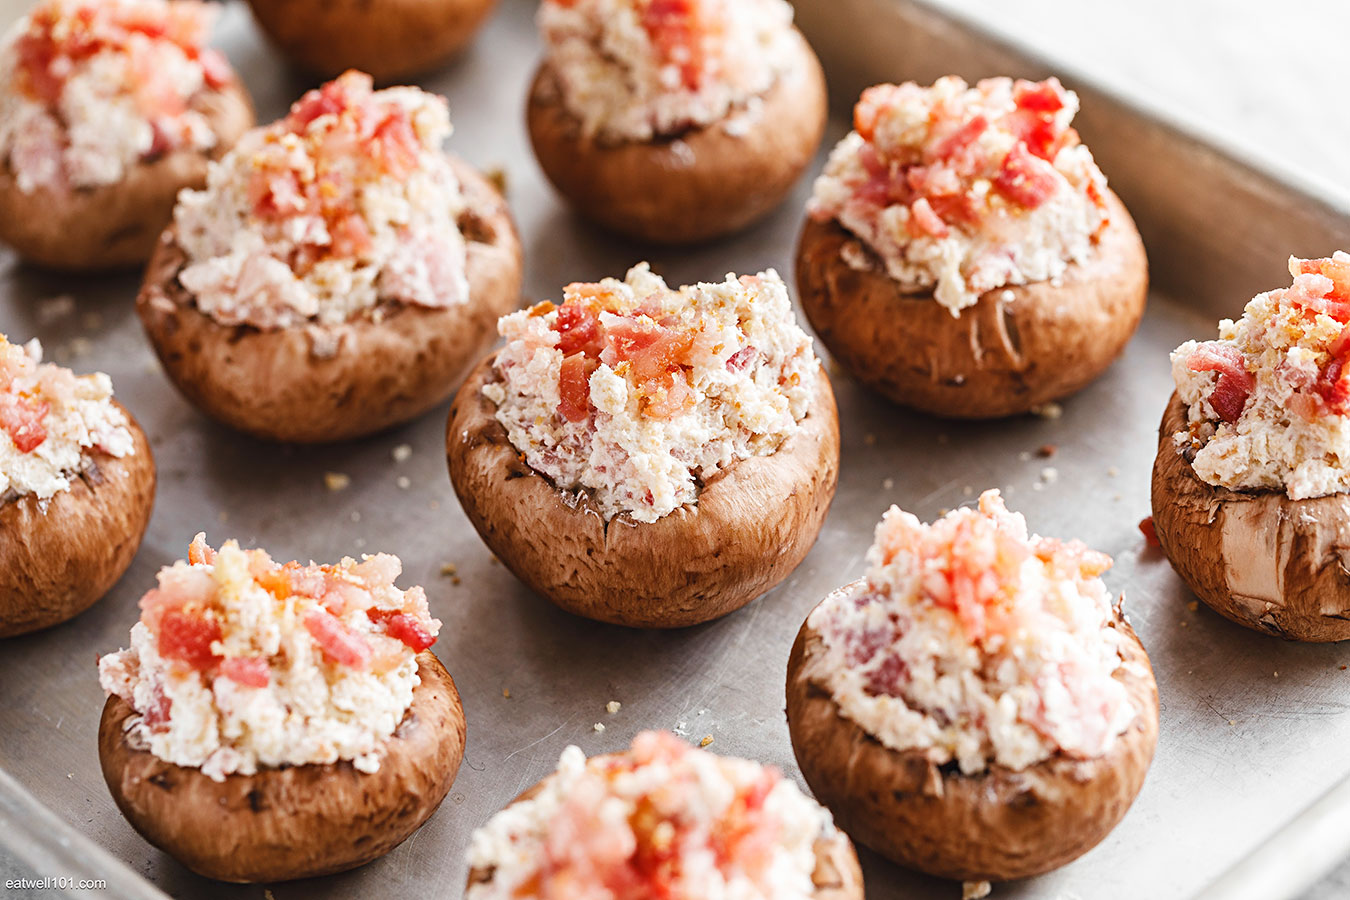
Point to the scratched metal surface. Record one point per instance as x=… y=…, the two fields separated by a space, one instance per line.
x=1252 y=729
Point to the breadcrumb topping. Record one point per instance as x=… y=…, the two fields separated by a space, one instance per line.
x=1268 y=403
x=659 y=820
x=51 y=421
x=964 y=190
x=979 y=643
x=636 y=393
x=636 y=70
x=239 y=662
x=347 y=202
x=90 y=88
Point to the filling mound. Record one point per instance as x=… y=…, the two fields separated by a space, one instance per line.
x=90 y=88
x=661 y=820
x=240 y=662
x=51 y=420
x=346 y=202
x=976 y=643
x=1268 y=403
x=963 y=190
x=635 y=70
x=636 y=393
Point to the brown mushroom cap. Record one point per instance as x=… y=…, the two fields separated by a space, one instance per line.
x=995 y=826
x=387 y=38
x=1273 y=564
x=693 y=186
x=998 y=357
x=117 y=225
x=387 y=365
x=837 y=876
x=59 y=557
x=294 y=821
x=753 y=523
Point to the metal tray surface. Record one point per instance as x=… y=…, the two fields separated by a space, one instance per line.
x=1252 y=728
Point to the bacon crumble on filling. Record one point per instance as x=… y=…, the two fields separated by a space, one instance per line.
x=641 y=69
x=964 y=190
x=347 y=201
x=51 y=420
x=1268 y=403
x=659 y=820
x=239 y=662
x=635 y=392
x=976 y=643
x=89 y=88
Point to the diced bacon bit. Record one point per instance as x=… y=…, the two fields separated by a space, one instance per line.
x=1234 y=384
x=590 y=854
x=403 y=627
x=574 y=387
x=677 y=29
x=654 y=353
x=1025 y=179
x=578 y=327
x=187 y=637
x=249 y=671
x=25 y=421
x=1333 y=387
x=925 y=221
x=742 y=359
x=199 y=552
x=337 y=641
x=1150 y=532
x=1321 y=285
x=156 y=715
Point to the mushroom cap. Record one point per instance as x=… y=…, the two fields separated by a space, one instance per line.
x=999 y=357
x=296 y=821
x=387 y=365
x=753 y=522
x=691 y=187
x=389 y=39
x=59 y=557
x=997 y=825
x=837 y=876
x=1273 y=564
x=117 y=226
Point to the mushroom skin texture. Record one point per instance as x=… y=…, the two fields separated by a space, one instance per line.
x=117 y=226
x=838 y=875
x=389 y=364
x=57 y=559
x=997 y=825
x=690 y=187
x=998 y=357
x=390 y=39
x=1275 y=565
x=296 y=821
x=753 y=523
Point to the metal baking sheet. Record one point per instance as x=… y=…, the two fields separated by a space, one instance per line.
x=1252 y=728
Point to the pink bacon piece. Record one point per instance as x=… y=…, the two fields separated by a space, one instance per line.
x=337 y=641
x=1234 y=384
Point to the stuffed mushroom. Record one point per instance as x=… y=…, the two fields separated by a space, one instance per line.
x=387 y=38
x=1251 y=480
x=77 y=484
x=963 y=255
x=975 y=707
x=107 y=110
x=271 y=722
x=674 y=122
x=338 y=275
x=678 y=448
x=662 y=820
